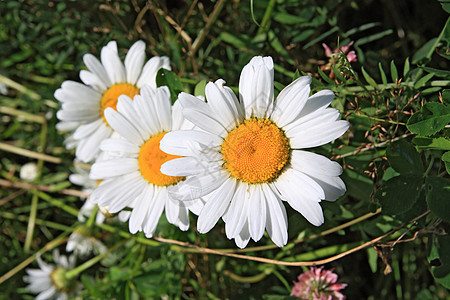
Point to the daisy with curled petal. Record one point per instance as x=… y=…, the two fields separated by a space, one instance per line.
x=248 y=158
x=49 y=281
x=83 y=105
x=131 y=174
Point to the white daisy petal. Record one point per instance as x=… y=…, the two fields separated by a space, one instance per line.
x=119 y=145
x=301 y=197
x=311 y=163
x=333 y=186
x=222 y=104
x=238 y=210
x=216 y=204
x=154 y=212
x=180 y=142
x=90 y=79
x=148 y=75
x=115 y=167
x=95 y=66
x=316 y=136
x=87 y=129
x=184 y=166
x=256 y=87
x=123 y=126
x=47 y=294
x=197 y=186
x=112 y=63
x=243 y=237
x=276 y=218
x=134 y=61
x=257 y=214
x=163 y=107
x=139 y=214
x=88 y=147
x=319 y=100
x=291 y=101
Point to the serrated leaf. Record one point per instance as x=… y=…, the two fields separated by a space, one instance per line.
x=369 y=79
x=171 y=80
x=446 y=159
x=438 y=196
x=399 y=194
x=431 y=118
x=423 y=80
x=439 y=143
x=199 y=89
x=382 y=74
x=404 y=158
x=446 y=96
x=394 y=72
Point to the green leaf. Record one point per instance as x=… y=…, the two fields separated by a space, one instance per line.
x=423 y=80
x=325 y=77
x=303 y=35
x=296 y=75
x=421 y=56
x=338 y=74
x=446 y=96
x=399 y=194
x=404 y=158
x=406 y=67
x=437 y=72
x=431 y=118
x=369 y=79
x=446 y=159
x=439 y=258
x=438 y=196
x=285 y=18
x=394 y=72
x=383 y=75
x=439 y=143
x=200 y=88
x=171 y=80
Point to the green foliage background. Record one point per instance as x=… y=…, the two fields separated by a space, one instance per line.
x=396 y=154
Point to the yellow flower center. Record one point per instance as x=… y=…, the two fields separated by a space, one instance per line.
x=109 y=98
x=150 y=160
x=256 y=151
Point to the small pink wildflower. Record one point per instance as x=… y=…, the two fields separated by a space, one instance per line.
x=334 y=59
x=351 y=56
x=318 y=284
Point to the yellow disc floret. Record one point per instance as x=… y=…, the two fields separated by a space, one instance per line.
x=256 y=151
x=150 y=160
x=109 y=98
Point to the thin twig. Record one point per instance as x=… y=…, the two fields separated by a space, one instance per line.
x=44 y=188
x=285 y=263
x=30 y=154
x=370 y=147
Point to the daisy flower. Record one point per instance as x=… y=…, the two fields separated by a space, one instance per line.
x=83 y=105
x=49 y=281
x=248 y=158
x=131 y=174
x=318 y=284
x=82 y=242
